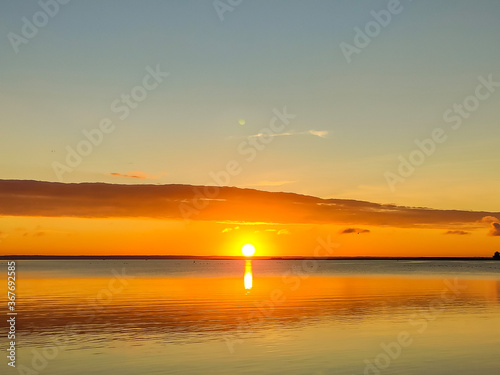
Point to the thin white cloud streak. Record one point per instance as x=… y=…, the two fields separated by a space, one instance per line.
x=316 y=133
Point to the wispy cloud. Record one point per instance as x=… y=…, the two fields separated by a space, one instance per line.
x=317 y=133
x=280 y=232
x=457 y=232
x=137 y=174
x=34 y=234
x=283 y=232
x=227 y=230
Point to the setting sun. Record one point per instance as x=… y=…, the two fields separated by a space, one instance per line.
x=248 y=250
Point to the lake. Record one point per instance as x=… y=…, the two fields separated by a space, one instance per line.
x=256 y=317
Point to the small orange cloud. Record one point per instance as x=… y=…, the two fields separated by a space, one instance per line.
x=354 y=230
x=489 y=219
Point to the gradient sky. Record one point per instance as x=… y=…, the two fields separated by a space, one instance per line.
x=227 y=77
x=263 y=55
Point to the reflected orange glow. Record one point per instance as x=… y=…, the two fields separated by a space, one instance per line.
x=194 y=303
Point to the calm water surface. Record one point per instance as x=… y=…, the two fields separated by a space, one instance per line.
x=257 y=317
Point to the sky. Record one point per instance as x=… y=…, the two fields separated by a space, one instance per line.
x=324 y=98
x=94 y=218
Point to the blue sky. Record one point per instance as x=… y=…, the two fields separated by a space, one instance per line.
x=263 y=55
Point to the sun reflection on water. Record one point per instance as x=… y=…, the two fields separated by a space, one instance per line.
x=248 y=278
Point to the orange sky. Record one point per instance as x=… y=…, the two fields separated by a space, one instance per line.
x=101 y=219
x=65 y=219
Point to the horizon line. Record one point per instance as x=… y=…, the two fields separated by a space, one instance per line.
x=227 y=257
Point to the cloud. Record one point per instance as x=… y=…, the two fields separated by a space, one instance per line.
x=354 y=230
x=268 y=230
x=229 y=205
x=317 y=133
x=457 y=232
x=494 y=225
x=280 y=232
x=255 y=223
x=494 y=230
x=489 y=219
x=137 y=174
x=36 y=233
x=226 y=230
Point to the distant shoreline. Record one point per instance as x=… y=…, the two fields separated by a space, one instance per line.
x=193 y=257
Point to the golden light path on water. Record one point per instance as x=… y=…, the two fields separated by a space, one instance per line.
x=248 y=278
